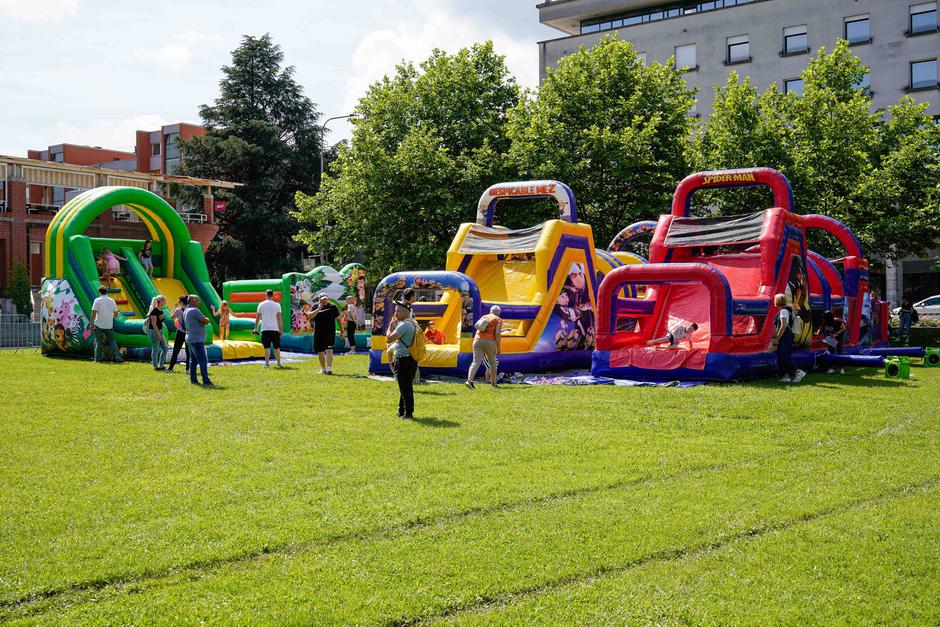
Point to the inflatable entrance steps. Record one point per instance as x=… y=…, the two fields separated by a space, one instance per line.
x=238 y=349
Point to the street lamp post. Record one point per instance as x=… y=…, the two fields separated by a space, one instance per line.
x=323 y=137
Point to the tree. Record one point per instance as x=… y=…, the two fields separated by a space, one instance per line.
x=263 y=133
x=18 y=289
x=612 y=127
x=875 y=171
x=746 y=129
x=426 y=142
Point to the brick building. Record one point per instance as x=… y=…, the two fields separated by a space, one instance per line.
x=23 y=223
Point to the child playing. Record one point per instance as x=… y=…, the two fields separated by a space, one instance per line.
x=225 y=319
x=681 y=332
x=833 y=334
x=111 y=265
x=146 y=257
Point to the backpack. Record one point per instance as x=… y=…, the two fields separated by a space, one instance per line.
x=146 y=324
x=419 y=346
x=914 y=315
x=792 y=317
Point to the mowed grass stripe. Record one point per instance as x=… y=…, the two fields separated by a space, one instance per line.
x=118 y=472
x=875 y=563
x=433 y=571
x=204 y=567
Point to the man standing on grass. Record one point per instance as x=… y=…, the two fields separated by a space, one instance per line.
x=103 y=312
x=272 y=325
x=196 y=323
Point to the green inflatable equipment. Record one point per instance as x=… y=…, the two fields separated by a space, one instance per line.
x=72 y=276
x=897 y=368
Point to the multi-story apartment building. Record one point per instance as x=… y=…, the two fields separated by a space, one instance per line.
x=768 y=40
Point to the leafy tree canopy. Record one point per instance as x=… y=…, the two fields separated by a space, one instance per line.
x=426 y=142
x=876 y=172
x=612 y=127
x=262 y=132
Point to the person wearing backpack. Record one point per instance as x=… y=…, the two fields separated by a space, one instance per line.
x=782 y=342
x=153 y=325
x=486 y=345
x=406 y=344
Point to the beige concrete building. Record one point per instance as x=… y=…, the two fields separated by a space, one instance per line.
x=769 y=40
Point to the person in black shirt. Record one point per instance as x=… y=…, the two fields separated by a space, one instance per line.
x=154 y=326
x=324 y=332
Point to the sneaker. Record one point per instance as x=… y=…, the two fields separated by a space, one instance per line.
x=210 y=384
x=831 y=371
x=266 y=366
x=329 y=371
x=798 y=376
x=786 y=380
x=470 y=385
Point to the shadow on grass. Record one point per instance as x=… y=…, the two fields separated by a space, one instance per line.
x=426 y=392
x=436 y=423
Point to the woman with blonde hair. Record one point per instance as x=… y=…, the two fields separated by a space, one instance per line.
x=154 y=326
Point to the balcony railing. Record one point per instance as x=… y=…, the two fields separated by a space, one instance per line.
x=35 y=207
x=194 y=217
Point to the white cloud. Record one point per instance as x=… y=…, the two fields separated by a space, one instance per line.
x=39 y=10
x=178 y=52
x=114 y=134
x=433 y=26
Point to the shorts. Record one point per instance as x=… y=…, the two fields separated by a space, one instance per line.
x=271 y=338
x=672 y=338
x=323 y=344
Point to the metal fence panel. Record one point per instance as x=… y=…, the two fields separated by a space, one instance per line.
x=17 y=331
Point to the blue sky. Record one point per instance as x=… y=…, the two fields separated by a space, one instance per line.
x=94 y=71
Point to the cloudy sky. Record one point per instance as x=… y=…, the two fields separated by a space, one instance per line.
x=94 y=71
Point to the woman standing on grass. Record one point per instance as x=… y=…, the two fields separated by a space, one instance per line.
x=158 y=345
x=180 y=340
x=486 y=345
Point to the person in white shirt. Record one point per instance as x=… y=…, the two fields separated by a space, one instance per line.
x=103 y=312
x=271 y=323
x=672 y=338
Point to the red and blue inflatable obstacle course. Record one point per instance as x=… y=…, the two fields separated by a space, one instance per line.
x=722 y=274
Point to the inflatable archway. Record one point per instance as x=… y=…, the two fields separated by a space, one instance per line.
x=73 y=278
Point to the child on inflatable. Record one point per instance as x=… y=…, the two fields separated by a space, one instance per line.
x=672 y=338
x=111 y=264
x=224 y=314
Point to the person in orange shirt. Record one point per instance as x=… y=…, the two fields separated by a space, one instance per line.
x=433 y=335
x=486 y=344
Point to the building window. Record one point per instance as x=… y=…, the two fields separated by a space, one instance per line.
x=58 y=195
x=793 y=86
x=172 y=151
x=924 y=17
x=924 y=74
x=154 y=150
x=685 y=57
x=857 y=29
x=739 y=49
x=795 y=40
x=58 y=157
x=654 y=14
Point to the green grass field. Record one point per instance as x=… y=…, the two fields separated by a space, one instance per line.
x=286 y=496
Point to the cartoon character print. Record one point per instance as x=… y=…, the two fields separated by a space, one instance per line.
x=63 y=326
x=575 y=313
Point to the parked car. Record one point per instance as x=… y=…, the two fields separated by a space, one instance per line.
x=927 y=309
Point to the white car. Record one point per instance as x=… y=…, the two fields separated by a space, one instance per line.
x=927 y=309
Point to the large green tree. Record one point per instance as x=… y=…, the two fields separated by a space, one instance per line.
x=613 y=127
x=876 y=171
x=426 y=142
x=263 y=133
